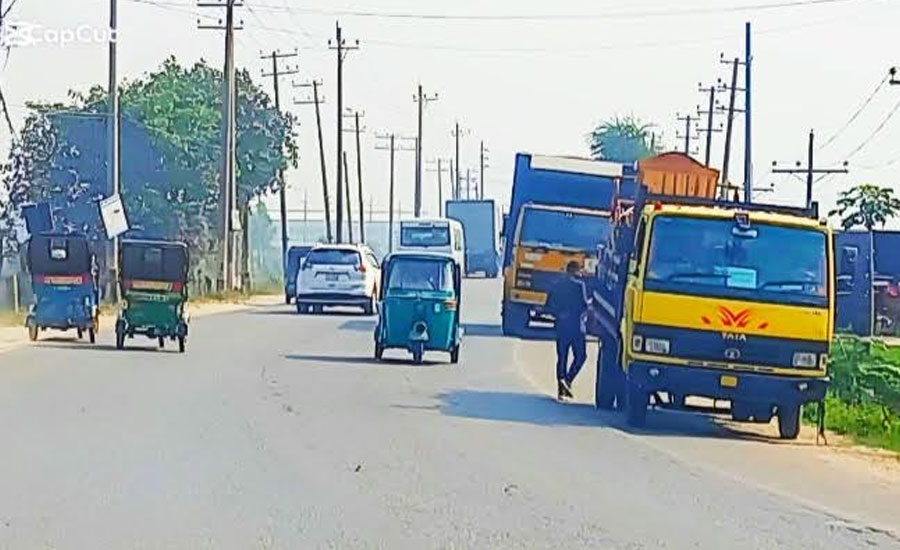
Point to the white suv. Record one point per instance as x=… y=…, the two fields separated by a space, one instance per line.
x=338 y=275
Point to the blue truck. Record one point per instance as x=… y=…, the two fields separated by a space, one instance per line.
x=868 y=283
x=479 y=222
x=559 y=213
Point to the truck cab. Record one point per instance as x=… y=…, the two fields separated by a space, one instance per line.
x=725 y=303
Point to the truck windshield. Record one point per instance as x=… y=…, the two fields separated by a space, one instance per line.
x=425 y=236
x=715 y=257
x=558 y=229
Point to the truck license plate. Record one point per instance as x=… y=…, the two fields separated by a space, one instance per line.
x=728 y=381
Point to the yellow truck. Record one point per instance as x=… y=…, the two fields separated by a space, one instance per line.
x=728 y=301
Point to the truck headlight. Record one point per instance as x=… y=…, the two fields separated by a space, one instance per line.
x=805 y=360
x=657 y=346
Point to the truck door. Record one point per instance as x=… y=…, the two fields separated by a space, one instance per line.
x=854 y=283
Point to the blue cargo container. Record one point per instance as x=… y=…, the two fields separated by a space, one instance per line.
x=868 y=295
x=478 y=219
x=559 y=213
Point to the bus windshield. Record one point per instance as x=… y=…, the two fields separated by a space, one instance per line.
x=425 y=235
x=716 y=257
x=558 y=229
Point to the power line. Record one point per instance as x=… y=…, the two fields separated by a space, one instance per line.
x=856 y=114
x=633 y=14
x=876 y=131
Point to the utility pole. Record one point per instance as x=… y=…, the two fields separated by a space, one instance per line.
x=227 y=189
x=421 y=99
x=688 y=135
x=810 y=171
x=316 y=100
x=340 y=46
x=276 y=74
x=454 y=190
x=439 y=168
x=468 y=184
x=392 y=147
x=456 y=133
x=355 y=115
x=732 y=89
x=484 y=164
x=347 y=191
x=710 y=129
x=112 y=159
x=748 y=119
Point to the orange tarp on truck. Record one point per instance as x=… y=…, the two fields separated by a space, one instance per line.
x=678 y=174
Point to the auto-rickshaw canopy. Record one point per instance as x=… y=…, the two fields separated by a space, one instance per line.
x=59 y=254
x=154 y=261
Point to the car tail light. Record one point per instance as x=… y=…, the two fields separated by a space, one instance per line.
x=361 y=268
x=893 y=291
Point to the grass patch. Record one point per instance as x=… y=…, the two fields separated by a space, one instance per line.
x=863 y=402
x=12 y=319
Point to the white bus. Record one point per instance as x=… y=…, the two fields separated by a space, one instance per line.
x=440 y=235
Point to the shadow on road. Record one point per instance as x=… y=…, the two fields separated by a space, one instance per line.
x=544 y=410
x=355 y=361
x=360 y=325
x=103 y=347
x=482 y=330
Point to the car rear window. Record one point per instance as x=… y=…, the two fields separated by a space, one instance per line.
x=333 y=257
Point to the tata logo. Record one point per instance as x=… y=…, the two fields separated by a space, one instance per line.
x=734 y=337
x=732 y=354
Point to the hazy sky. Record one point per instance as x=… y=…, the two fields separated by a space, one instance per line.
x=534 y=84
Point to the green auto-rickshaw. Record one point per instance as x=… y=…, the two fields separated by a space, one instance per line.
x=420 y=305
x=153 y=281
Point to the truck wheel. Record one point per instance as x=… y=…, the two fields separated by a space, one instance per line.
x=32 y=332
x=636 y=406
x=789 y=421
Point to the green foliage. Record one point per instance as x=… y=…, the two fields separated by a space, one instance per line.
x=624 y=140
x=864 y=398
x=170 y=176
x=266 y=263
x=866 y=206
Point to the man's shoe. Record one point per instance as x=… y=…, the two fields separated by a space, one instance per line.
x=567 y=388
x=561 y=392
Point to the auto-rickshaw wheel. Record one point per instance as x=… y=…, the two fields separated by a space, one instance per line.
x=162 y=342
x=454 y=355
x=120 y=338
x=80 y=333
x=181 y=344
x=379 y=352
x=92 y=336
x=32 y=332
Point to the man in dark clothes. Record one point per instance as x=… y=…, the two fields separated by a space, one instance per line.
x=568 y=302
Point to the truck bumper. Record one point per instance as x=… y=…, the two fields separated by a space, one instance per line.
x=735 y=386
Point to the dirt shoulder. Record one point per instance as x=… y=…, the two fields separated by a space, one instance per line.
x=848 y=480
x=13 y=333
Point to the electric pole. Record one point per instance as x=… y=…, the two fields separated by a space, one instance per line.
x=112 y=159
x=709 y=130
x=688 y=135
x=276 y=74
x=729 y=126
x=809 y=170
x=748 y=130
x=355 y=115
x=456 y=133
x=440 y=168
x=347 y=192
x=340 y=46
x=421 y=99
x=484 y=164
x=316 y=100
x=227 y=187
x=392 y=147
x=454 y=190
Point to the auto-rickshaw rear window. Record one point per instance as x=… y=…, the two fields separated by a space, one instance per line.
x=425 y=275
x=59 y=256
x=154 y=263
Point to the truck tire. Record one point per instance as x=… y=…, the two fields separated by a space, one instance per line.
x=636 y=403
x=789 y=421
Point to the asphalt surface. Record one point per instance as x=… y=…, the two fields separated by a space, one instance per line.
x=279 y=431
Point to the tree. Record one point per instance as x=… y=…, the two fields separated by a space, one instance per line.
x=171 y=154
x=624 y=140
x=866 y=206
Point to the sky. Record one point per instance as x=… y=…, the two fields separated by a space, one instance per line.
x=519 y=75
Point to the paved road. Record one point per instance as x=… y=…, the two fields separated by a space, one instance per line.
x=278 y=431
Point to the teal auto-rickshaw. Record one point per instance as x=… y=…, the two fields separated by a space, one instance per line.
x=420 y=305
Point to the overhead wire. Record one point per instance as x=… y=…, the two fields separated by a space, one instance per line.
x=876 y=131
x=856 y=114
